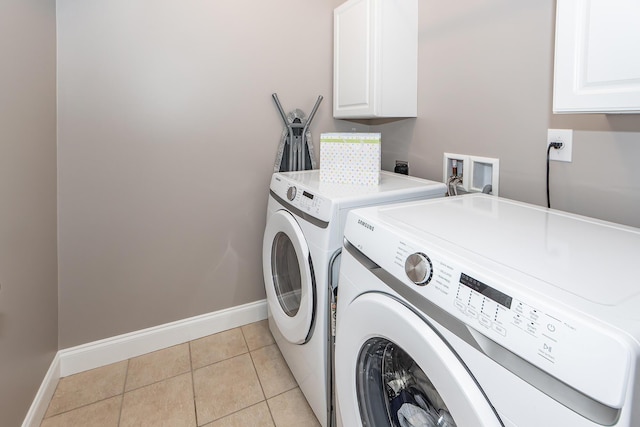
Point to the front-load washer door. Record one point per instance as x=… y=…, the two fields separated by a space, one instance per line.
x=393 y=369
x=288 y=277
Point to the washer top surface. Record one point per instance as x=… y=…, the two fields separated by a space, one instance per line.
x=592 y=259
x=391 y=185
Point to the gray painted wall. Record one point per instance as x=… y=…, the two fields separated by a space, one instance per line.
x=28 y=264
x=485 y=89
x=167 y=140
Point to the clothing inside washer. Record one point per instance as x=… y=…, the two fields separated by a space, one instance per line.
x=393 y=390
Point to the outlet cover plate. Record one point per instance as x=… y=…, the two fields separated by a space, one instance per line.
x=560 y=135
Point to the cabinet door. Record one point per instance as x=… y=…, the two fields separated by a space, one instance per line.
x=597 y=66
x=353 y=59
x=375 y=59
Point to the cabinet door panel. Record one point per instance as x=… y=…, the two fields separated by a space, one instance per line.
x=353 y=57
x=609 y=43
x=597 y=68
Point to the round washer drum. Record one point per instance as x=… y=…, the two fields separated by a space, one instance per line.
x=380 y=356
x=289 y=281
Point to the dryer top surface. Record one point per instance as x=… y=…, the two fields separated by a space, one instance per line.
x=592 y=259
x=392 y=186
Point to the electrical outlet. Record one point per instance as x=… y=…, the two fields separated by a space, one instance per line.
x=564 y=136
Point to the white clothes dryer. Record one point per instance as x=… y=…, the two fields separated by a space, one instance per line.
x=301 y=256
x=478 y=311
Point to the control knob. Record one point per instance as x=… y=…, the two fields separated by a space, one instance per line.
x=419 y=268
x=291 y=193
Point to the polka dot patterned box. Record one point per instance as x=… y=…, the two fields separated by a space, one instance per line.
x=350 y=158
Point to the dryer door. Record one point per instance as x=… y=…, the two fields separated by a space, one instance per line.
x=391 y=366
x=288 y=277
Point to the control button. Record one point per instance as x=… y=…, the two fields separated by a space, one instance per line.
x=484 y=321
x=418 y=268
x=499 y=329
x=547 y=352
x=517 y=320
x=291 y=193
x=551 y=327
x=459 y=305
x=471 y=312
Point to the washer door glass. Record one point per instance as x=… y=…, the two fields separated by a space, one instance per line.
x=288 y=277
x=394 y=369
x=286 y=274
x=393 y=390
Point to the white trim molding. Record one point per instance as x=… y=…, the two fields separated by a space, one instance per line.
x=122 y=347
x=43 y=396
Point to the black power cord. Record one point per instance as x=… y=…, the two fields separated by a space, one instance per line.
x=557 y=146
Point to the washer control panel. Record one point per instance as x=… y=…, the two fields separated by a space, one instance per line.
x=549 y=338
x=301 y=198
x=486 y=307
x=307 y=201
x=517 y=324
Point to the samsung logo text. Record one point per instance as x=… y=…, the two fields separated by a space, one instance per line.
x=365 y=225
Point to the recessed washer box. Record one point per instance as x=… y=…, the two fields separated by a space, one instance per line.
x=475 y=172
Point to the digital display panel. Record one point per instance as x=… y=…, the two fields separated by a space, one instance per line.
x=307 y=195
x=486 y=290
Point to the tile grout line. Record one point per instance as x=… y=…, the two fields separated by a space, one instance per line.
x=124 y=387
x=266 y=401
x=85 y=405
x=246 y=351
x=253 y=363
x=161 y=379
x=240 y=410
x=193 y=386
x=153 y=383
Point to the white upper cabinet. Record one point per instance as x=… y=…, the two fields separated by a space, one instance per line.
x=375 y=59
x=597 y=64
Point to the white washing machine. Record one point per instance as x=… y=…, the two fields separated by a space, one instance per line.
x=301 y=255
x=478 y=311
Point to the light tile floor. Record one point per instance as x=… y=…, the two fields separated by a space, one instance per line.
x=231 y=379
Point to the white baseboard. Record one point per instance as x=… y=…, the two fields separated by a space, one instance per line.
x=122 y=347
x=45 y=393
